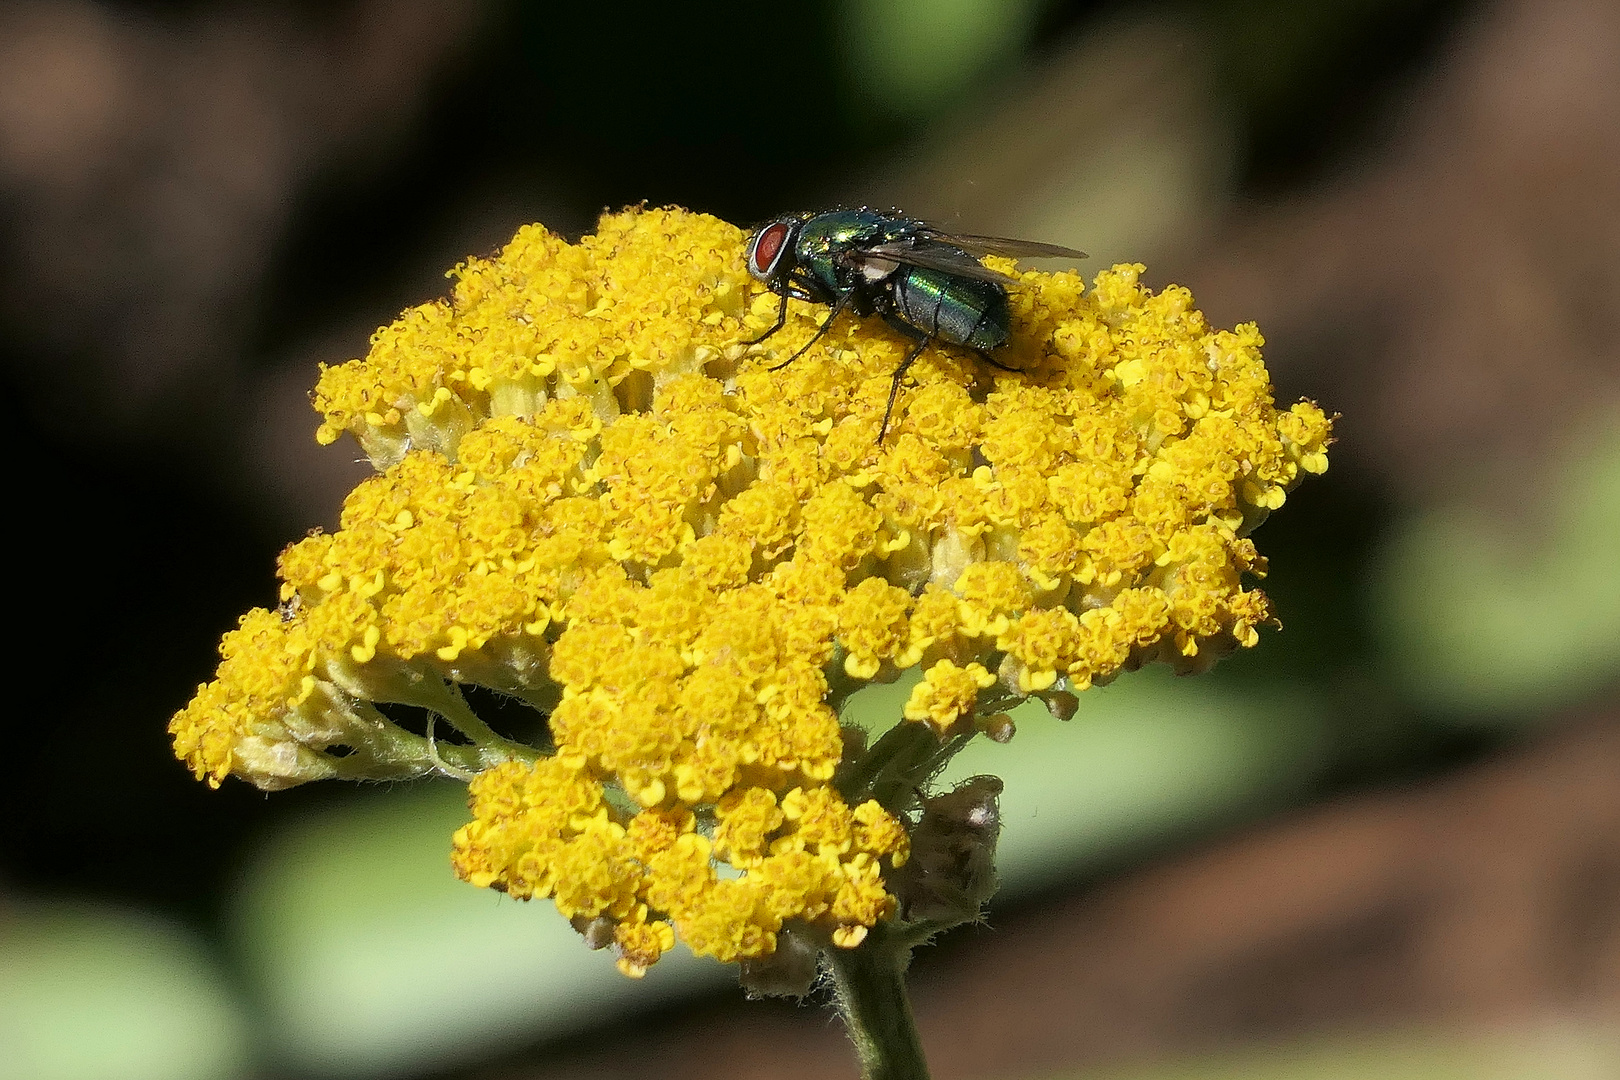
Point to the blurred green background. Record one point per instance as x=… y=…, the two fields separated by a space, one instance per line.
x=200 y=201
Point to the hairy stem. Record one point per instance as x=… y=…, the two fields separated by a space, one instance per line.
x=877 y=1014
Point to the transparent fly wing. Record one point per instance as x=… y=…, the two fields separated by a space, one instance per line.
x=1001 y=245
x=932 y=255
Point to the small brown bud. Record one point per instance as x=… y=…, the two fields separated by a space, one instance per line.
x=790 y=971
x=597 y=931
x=997 y=727
x=952 y=868
x=1060 y=703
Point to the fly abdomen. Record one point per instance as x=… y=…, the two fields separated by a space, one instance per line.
x=960 y=310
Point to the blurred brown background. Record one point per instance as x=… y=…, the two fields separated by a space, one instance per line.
x=1403 y=860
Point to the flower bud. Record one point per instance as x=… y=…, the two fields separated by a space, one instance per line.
x=952 y=871
x=790 y=971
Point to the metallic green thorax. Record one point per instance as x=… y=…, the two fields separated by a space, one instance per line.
x=823 y=238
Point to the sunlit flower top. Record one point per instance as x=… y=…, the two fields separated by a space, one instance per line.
x=591 y=497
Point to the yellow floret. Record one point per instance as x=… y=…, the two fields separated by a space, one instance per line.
x=947 y=694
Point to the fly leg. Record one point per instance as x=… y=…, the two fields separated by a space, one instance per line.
x=922 y=341
x=993 y=362
x=838 y=309
x=792 y=289
x=781 y=321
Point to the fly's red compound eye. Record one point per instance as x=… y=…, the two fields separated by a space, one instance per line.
x=767 y=249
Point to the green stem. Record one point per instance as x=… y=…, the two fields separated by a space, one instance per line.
x=895 y=770
x=872 y=1000
x=445 y=699
x=889 y=765
x=385 y=751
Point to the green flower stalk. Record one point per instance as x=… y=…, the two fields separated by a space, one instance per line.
x=593 y=498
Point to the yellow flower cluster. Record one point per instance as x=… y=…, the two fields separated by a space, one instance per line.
x=593 y=498
x=549 y=831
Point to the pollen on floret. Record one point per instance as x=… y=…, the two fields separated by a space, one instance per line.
x=872 y=625
x=947 y=694
x=848 y=937
x=641 y=944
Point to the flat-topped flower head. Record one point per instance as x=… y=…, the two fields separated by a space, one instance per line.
x=591 y=497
